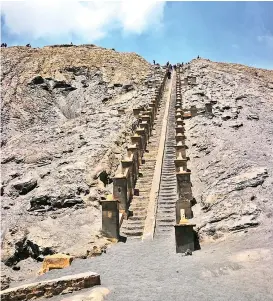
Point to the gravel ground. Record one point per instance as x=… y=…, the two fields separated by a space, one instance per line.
x=153 y=271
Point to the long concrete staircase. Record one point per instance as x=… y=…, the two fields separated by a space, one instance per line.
x=165 y=216
x=134 y=226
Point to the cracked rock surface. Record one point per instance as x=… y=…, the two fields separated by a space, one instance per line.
x=62 y=138
x=230 y=150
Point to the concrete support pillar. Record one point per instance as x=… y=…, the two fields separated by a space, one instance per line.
x=183 y=178
x=184 y=185
x=193 y=111
x=178 y=105
x=178 y=115
x=146 y=126
x=179 y=129
x=152 y=107
x=144 y=136
x=179 y=111
x=132 y=150
x=184 y=237
x=150 y=112
x=179 y=122
x=148 y=119
x=183 y=210
x=110 y=218
x=180 y=164
x=180 y=138
x=178 y=98
x=156 y=101
x=147 y=116
x=127 y=167
x=120 y=191
x=138 y=141
x=137 y=111
x=180 y=150
x=208 y=108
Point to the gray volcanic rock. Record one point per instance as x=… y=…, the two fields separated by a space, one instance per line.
x=25 y=185
x=230 y=150
x=62 y=140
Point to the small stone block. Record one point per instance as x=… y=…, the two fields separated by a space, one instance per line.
x=55 y=261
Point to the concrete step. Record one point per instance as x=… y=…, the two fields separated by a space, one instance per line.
x=168 y=185
x=169 y=189
x=140 y=198
x=167 y=201
x=166 y=224
x=138 y=205
x=165 y=211
x=169 y=219
x=137 y=217
x=134 y=226
x=134 y=232
x=164 y=230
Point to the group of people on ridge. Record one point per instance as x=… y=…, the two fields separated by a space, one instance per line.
x=6 y=45
x=169 y=69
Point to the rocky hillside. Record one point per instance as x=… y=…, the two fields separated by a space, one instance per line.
x=63 y=135
x=62 y=138
x=231 y=151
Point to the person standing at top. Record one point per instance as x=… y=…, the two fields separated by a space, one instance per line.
x=169 y=74
x=154 y=62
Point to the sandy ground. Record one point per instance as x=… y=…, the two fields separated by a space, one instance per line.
x=237 y=269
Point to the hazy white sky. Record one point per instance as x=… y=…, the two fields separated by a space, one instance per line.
x=86 y=20
x=230 y=31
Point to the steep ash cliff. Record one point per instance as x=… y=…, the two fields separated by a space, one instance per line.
x=62 y=137
x=230 y=150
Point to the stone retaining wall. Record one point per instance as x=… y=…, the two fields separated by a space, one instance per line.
x=50 y=288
